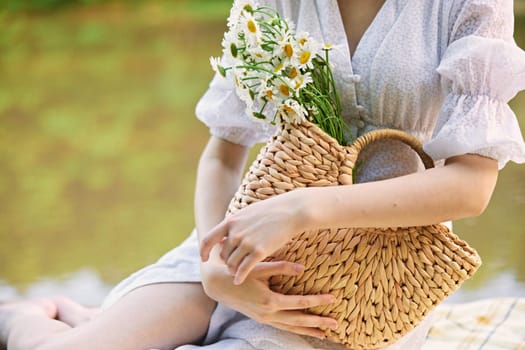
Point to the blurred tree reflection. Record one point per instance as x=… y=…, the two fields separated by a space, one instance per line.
x=39 y=5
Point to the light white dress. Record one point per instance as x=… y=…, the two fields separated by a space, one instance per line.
x=442 y=70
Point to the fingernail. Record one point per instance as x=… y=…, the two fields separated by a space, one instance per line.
x=332 y=299
x=298 y=267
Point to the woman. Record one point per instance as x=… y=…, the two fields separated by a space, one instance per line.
x=442 y=70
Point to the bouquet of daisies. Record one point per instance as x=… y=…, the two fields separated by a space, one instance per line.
x=282 y=77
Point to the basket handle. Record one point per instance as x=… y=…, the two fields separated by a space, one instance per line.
x=380 y=134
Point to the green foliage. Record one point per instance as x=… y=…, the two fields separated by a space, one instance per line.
x=322 y=93
x=40 y=5
x=25 y=5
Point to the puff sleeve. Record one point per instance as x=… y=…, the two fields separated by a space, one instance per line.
x=224 y=113
x=481 y=70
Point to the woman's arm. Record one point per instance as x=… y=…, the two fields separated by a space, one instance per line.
x=218 y=177
x=461 y=188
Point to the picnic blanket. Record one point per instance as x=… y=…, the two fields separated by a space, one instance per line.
x=492 y=324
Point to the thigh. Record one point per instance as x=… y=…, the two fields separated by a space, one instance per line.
x=157 y=316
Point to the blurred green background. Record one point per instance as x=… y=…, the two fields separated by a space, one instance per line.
x=99 y=145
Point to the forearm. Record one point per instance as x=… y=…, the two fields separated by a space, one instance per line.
x=218 y=177
x=460 y=189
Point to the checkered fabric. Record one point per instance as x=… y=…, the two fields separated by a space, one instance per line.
x=493 y=324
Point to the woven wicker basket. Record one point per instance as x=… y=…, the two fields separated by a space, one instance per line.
x=386 y=280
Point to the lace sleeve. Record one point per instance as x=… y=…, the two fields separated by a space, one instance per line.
x=482 y=69
x=224 y=113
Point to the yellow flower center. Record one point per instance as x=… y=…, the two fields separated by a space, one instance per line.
x=293 y=73
x=284 y=90
x=278 y=68
x=299 y=83
x=303 y=41
x=251 y=26
x=269 y=94
x=288 y=50
x=288 y=109
x=305 y=57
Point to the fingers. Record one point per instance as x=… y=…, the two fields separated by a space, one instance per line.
x=294 y=318
x=312 y=332
x=213 y=237
x=228 y=248
x=234 y=260
x=240 y=258
x=247 y=264
x=265 y=270
x=302 y=323
x=301 y=302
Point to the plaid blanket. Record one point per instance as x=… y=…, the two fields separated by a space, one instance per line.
x=493 y=324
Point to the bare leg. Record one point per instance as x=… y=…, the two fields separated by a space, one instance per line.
x=160 y=316
x=18 y=312
x=37 y=318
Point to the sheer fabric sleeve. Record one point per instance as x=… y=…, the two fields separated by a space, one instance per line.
x=224 y=113
x=481 y=70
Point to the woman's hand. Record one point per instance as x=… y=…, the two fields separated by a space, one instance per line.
x=256 y=300
x=255 y=232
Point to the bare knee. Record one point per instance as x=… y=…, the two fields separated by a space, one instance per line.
x=160 y=315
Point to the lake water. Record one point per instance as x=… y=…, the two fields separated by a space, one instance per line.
x=99 y=147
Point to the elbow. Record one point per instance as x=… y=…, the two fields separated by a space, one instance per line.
x=477 y=180
x=477 y=195
x=477 y=205
x=469 y=204
x=229 y=156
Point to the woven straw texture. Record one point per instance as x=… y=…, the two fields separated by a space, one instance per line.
x=386 y=280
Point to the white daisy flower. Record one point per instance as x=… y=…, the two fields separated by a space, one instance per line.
x=239 y=6
x=259 y=55
x=250 y=28
x=299 y=81
x=306 y=52
x=285 y=48
x=292 y=112
x=302 y=38
x=217 y=67
x=284 y=88
x=268 y=92
x=278 y=67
